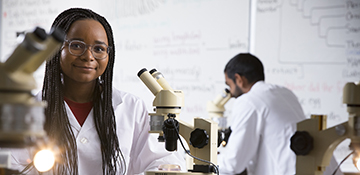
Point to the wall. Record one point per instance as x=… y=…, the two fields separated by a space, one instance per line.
x=311 y=47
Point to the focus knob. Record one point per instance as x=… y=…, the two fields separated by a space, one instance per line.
x=301 y=143
x=199 y=138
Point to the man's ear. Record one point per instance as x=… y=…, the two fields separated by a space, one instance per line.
x=239 y=80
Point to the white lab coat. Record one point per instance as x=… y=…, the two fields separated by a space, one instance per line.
x=141 y=150
x=263 y=121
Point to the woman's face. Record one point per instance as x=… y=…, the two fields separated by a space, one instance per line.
x=84 y=68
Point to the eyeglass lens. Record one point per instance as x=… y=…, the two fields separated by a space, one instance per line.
x=78 y=48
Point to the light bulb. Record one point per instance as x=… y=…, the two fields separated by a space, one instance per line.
x=44 y=160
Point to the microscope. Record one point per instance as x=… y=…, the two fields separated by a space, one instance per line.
x=165 y=121
x=21 y=115
x=314 y=144
x=216 y=111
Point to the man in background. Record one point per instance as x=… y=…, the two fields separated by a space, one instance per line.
x=264 y=118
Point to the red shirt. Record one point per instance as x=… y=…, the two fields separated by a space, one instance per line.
x=80 y=110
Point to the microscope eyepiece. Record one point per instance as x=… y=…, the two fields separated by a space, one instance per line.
x=141 y=72
x=58 y=34
x=32 y=43
x=40 y=33
x=149 y=81
x=227 y=90
x=159 y=77
x=152 y=71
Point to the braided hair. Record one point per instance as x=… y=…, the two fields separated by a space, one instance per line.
x=57 y=124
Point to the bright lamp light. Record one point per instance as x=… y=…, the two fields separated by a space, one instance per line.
x=356 y=159
x=356 y=162
x=44 y=160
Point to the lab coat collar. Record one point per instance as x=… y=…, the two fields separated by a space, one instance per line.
x=257 y=85
x=116 y=101
x=88 y=124
x=72 y=120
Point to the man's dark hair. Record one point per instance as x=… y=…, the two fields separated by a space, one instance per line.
x=247 y=65
x=57 y=124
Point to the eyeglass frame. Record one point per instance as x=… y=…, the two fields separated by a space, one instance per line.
x=86 y=47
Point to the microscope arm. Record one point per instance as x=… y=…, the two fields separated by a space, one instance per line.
x=185 y=130
x=209 y=151
x=314 y=145
x=324 y=143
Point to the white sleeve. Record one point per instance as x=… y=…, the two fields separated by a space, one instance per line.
x=243 y=141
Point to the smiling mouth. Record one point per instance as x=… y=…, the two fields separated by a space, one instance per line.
x=84 y=67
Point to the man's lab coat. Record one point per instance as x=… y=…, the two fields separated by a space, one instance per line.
x=141 y=150
x=263 y=121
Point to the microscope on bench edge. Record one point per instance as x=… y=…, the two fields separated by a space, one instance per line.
x=165 y=121
x=314 y=145
x=21 y=116
x=216 y=111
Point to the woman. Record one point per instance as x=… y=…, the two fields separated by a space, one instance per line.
x=98 y=129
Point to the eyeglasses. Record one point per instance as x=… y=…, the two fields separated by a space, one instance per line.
x=78 y=48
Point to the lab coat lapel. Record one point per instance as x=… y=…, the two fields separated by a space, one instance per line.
x=89 y=123
x=75 y=126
